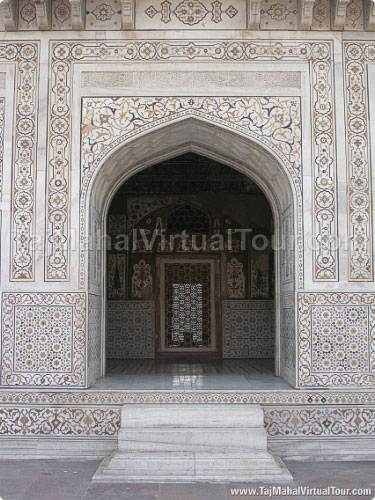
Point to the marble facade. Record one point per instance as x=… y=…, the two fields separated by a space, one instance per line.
x=278 y=90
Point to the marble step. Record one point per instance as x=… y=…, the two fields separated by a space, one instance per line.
x=192 y=467
x=185 y=443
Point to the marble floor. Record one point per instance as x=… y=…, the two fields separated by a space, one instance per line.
x=190 y=374
x=71 y=480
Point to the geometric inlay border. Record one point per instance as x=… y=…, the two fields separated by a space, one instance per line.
x=269 y=397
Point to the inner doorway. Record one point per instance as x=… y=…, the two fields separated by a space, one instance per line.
x=190 y=266
x=187 y=305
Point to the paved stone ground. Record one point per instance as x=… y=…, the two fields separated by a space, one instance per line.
x=71 y=480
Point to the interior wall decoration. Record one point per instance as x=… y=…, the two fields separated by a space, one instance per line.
x=235 y=279
x=260 y=275
x=116 y=265
x=141 y=280
x=131 y=329
x=248 y=329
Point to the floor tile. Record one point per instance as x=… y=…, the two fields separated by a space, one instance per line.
x=203 y=491
x=185 y=374
x=71 y=480
x=121 y=491
x=13 y=489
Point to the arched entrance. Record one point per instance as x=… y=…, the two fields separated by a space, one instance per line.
x=191 y=239
x=227 y=148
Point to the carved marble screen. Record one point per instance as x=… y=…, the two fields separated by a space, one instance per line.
x=187 y=321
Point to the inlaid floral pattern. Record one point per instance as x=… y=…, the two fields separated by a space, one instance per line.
x=43 y=339
x=336 y=339
x=357 y=56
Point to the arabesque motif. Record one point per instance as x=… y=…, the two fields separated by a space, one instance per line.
x=357 y=56
x=272 y=121
x=26 y=56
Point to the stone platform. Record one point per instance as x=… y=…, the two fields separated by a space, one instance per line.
x=192 y=443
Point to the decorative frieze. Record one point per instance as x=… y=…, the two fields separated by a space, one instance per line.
x=164 y=15
x=71 y=422
x=190 y=14
x=94 y=421
x=319 y=422
x=88 y=397
x=193 y=80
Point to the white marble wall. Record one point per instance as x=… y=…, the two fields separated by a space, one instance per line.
x=44 y=184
